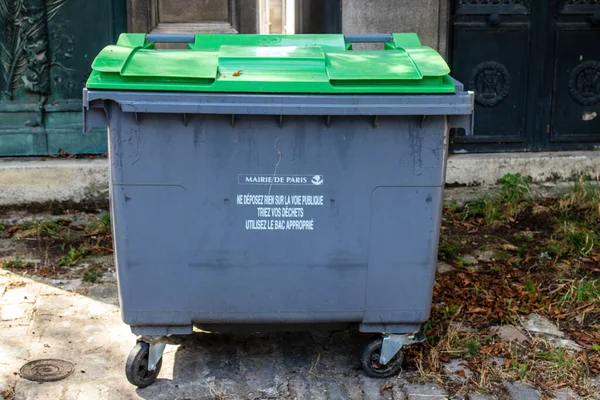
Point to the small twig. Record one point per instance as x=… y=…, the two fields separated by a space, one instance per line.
x=310 y=371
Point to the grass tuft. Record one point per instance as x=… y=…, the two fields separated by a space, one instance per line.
x=72 y=257
x=92 y=275
x=581 y=291
x=449 y=250
x=484 y=208
x=16 y=262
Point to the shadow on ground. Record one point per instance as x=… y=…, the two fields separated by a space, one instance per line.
x=263 y=365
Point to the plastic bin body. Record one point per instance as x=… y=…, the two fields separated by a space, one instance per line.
x=275 y=181
x=271 y=219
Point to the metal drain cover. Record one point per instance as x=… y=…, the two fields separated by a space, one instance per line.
x=46 y=370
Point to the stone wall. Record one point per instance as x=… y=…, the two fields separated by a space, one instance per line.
x=428 y=18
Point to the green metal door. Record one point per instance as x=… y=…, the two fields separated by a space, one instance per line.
x=46 y=50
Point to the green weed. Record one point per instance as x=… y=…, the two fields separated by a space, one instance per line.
x=530 y=287
x=484 y=208
x=72 y=257
x=557 y=250
x=449 y=250
x=515 y=188
x=559 y=361
x=99 y=225
x=92 y=275
x=473 y=348
x=16 y=262
x=580 y=291
x=451 y=310
x=582 y=204
x=579 y=239
x=44 y=229
x=584 y=192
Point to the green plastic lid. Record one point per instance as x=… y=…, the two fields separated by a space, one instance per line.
x=271 y=64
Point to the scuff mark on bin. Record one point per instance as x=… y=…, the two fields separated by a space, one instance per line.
x=416 y=144
x=278 y=161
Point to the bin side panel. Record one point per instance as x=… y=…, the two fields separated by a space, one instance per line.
x=194 y=246
x=402 y=255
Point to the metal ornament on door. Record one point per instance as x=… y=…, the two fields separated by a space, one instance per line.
x=490 y=81
x=584 y=83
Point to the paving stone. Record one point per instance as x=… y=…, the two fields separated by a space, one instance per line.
x=443 y=267
x=398 y=392
x=5 y=389
x=335 y=391
x=461 y=327
x=469 y=260
x=371 y=388
x=457 y=370
x=12 y=329
x=540 y=325
x=33 y=390
x=481 y=396
x=26 y=293
x=424 y=392
x=4 y=278
x=566 y=395
x=520 y=391
x=104 y=290
x=18 y=313
x=509 y=333
x=536 y=323
x=491 y=255
x=352 y=387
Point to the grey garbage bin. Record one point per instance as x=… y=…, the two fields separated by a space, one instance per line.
x=271 y=181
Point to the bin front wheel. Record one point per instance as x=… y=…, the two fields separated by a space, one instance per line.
x=136 y=369
x=370 y=360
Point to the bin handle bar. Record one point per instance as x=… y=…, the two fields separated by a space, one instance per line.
x=169 y=38
x=369 y=38
x=353 y=38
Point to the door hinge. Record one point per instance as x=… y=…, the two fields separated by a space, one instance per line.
x=548 y=129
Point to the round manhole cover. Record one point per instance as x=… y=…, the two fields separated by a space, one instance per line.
x=46 y=370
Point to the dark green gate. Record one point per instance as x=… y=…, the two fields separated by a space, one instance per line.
x=535 y=69
x=46 y=48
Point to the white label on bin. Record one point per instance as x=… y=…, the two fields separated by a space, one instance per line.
x=272 y=211
x=246 y=179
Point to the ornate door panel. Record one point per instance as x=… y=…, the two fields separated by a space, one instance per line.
x=491 y=44
x=46 y=48
x=576 y=91
x=535 y=69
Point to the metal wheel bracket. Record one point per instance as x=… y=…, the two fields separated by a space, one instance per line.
x=392 y=344
x=154 y=355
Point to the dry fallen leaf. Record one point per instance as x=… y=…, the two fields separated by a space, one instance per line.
x=384 y=388
x=12 y=229
x=237 y=73
x=509 y=247
x=477 y=310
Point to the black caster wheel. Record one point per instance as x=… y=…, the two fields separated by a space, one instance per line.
x=369 y=360
x=136 y=368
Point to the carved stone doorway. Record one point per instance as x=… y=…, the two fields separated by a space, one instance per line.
x=192 y=16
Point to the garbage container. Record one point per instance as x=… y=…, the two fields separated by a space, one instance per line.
x=262 y=181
